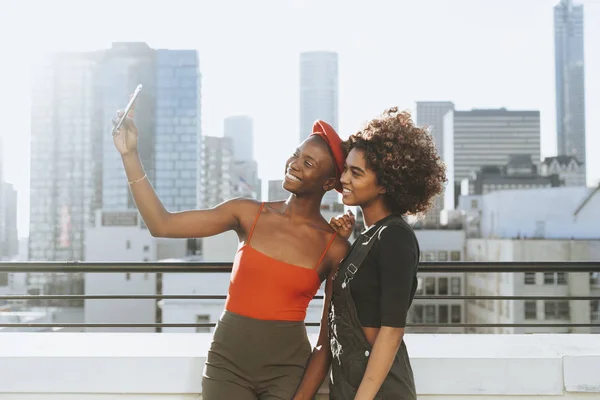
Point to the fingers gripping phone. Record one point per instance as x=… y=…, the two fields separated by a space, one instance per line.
x=134 y=97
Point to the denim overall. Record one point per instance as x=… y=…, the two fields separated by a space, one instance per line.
x=349 y=346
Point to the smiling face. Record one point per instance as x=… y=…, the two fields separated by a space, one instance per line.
x=360 y=185
x=310 y=169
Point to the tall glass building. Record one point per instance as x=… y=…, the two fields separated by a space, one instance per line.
x=177 y=141
x=65 y=156
x=318 y=90
x=570 y=88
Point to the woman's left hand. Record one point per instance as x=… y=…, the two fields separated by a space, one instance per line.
x=343 y=224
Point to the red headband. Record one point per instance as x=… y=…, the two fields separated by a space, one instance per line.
x=326 y=131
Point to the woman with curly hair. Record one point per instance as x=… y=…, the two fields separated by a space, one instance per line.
x=392 y=170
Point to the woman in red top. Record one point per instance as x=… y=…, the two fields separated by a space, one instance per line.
x=260 y=348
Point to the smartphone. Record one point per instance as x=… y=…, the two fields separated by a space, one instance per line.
x=136 y=93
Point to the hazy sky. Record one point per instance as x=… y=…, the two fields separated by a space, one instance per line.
x=477 y=53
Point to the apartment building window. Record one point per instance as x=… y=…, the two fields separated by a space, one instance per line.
x=146 y=248
x=430 y=256
x=128 y=276
x=128 y=244
x=557 y=310
x=530 y=278
x=3 y=278
x=550 y=310
x=430 y=286
x=443 y=314
x=595 y=310
x=564 y=311
x=430 y=314
x=552 y=278
x=419 y=290
x=455 y=314
x=443 y=286
x=455 y=286
x=561 y=278
x=530 y=309
x=417 y=314
x=455 y=256
x=202 y=319
x=594 y=278
x=442 y=255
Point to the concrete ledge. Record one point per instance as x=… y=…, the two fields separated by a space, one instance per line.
x=169 y=365
x=582 y=374
x=145 y=363
x=484 y=364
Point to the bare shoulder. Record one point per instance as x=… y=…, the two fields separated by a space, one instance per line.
x=242 y=206
x=339 y=249
x=339 y=246
x=243 y=209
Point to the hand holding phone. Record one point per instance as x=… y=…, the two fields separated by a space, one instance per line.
x=124 y=130
x=128 y=108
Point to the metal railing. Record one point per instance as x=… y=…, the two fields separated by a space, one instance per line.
x=225 y=267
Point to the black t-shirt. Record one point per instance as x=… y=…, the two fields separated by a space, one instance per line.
x=384 y=286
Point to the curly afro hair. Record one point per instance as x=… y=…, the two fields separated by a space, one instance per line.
x=405 y=160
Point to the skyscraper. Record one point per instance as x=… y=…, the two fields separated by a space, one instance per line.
x=244 y=175
x=570 y=88
x=178 y=137
x=431 y=114
x=245 y=180
x=318 y=90
x=240 y=129
x=9 y=241
x=218 y=169
x=66 y=156
x=489 y=137
x=9 y=247
x=481 y=137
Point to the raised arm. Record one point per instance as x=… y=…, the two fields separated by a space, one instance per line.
x=160 y=222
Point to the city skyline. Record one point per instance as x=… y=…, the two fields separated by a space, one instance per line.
x=257 y=81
